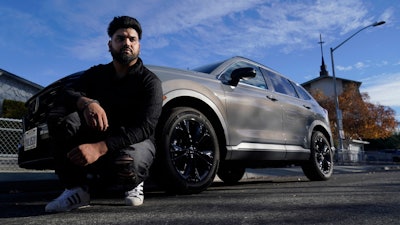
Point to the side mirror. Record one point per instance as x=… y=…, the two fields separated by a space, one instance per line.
x=241 y=73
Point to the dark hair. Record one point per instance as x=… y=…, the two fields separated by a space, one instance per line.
x=124 y=22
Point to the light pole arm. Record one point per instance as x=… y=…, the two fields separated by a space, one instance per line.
x=371 y=25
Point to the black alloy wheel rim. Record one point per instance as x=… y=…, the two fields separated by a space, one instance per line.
x=192 y=150
x=323 y=155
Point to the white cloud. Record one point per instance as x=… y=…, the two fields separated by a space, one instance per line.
x=182 y=15
x=387 y=15
x=91 y=49
x=23 y=29
x=244 y=28
x=360 y=65
x=198 y=26
x=383 y=89
x=344 y=68
x=201 y=27
x=24 y=23
x=383 y=63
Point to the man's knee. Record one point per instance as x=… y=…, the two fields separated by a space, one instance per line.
x=143 y=153
x=124 y=169
x=134 y=163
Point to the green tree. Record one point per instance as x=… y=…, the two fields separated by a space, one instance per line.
x=392 y=142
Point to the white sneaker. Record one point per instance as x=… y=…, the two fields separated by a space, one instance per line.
x=68 y=200
x=135 y=196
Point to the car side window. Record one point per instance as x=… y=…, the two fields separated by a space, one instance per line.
x=257 y=81
x=282 y=84
x=303 y=94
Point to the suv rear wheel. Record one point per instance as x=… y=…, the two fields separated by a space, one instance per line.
x=188 y=151
x=320 y=165
x=230 y=174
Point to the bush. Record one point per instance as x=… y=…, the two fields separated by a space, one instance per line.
x=13 y=109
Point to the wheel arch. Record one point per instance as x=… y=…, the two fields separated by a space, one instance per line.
x=203 y=104
x=319 y=126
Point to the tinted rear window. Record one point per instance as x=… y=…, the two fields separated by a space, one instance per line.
x=282 y=85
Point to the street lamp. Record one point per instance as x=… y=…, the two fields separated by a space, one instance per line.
x=338 y=111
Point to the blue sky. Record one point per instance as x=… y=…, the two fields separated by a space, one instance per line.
x=45 y=40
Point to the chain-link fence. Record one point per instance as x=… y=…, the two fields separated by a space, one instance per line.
x=10 y=138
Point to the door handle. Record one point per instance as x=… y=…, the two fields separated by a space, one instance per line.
x=272 y=98
x=307 y=107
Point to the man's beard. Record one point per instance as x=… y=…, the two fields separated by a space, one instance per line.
x=122 y=57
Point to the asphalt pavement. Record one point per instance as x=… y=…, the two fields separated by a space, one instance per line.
x=31 y=180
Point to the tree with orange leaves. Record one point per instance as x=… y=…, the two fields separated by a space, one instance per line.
x=361 y=118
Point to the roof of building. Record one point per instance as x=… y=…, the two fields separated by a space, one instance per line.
x=330 y=77
x=19 y=79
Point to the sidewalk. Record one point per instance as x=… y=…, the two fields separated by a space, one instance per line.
x=31 y=180
x=339 y=169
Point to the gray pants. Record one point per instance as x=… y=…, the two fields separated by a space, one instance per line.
x=67 y=132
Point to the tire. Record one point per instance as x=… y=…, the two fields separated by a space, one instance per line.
x=188 y=151
x=320 y=165
x=230 y=174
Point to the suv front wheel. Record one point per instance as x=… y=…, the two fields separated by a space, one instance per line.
x=188 y=151
x=320 y=165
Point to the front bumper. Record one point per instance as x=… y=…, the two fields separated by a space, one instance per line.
x=35 y=152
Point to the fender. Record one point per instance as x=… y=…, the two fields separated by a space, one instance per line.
x=183 y=88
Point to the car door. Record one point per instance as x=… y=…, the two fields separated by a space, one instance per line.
x=297 y=116
x=254 y=117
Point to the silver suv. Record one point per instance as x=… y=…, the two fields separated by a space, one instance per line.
x=217 y=119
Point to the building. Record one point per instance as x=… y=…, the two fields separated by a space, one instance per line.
x=324 y=82
x=13 y=87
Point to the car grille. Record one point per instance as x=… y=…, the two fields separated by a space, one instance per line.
x=40 y=105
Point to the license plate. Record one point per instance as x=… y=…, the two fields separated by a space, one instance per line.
x=30 y=139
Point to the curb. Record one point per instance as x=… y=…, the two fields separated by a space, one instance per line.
x=28 y=181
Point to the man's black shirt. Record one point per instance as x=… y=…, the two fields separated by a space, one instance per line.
x=132 y=103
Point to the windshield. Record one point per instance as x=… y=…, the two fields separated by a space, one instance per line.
x=207 y=68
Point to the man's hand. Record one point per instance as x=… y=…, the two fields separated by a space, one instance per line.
x=94 y=114
x=86 y=154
